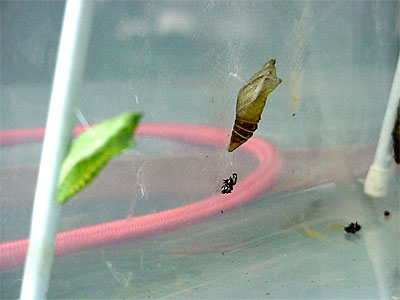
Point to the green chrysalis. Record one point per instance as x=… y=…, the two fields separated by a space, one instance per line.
x=91 y=151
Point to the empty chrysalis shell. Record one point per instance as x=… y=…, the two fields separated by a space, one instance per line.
x=250 y=103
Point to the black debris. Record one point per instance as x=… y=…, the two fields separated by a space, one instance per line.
x=228 y=184
x=293 y=114
x=352 y=227
x=386 y=213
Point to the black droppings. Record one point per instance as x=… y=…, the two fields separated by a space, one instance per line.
x=386 y=213
x=228 y=184
x=352 y=228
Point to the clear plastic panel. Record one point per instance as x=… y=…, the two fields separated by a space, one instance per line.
x=182 y=65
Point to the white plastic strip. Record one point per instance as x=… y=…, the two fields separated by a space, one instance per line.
x=67 y=80
x=378 y=174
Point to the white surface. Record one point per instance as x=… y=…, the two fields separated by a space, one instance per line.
x=67 y=78
x=376 y=181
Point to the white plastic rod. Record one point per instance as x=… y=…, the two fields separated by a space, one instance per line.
x=66 y=85
x=378 y=174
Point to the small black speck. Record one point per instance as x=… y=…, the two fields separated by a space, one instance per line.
x=222 y=211
x=386 y=213
x=266 y=281
x=293 y=114
x=206 y=155
x=312 y=280
x=267 y=294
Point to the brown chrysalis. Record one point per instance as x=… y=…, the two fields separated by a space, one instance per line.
x=250 y=103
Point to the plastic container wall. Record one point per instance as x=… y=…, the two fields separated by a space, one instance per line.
x=183 y=63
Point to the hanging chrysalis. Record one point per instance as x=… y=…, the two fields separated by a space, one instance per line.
x=250 y=103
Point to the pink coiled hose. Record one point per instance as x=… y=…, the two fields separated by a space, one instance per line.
x=12 y=254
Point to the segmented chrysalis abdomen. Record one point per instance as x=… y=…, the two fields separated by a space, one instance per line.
x=396 y=138
x=250 y=103
x=242 y=131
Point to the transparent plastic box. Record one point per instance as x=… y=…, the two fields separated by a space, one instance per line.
x=154 y=224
